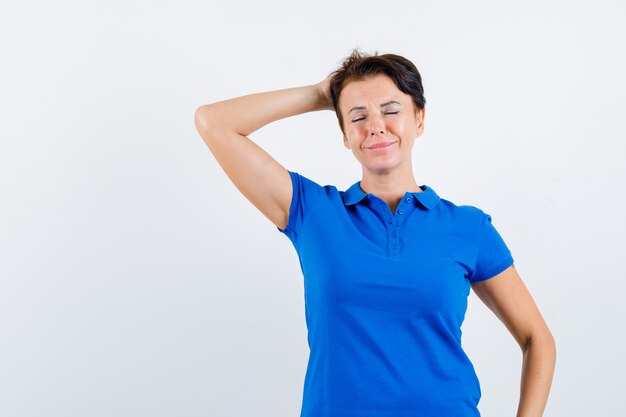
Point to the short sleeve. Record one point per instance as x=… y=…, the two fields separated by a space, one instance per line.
x=306 y=193
x=493 y=255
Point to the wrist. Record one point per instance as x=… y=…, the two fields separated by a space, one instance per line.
x=324 y=100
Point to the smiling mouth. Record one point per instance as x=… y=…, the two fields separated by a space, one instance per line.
x=381 y=145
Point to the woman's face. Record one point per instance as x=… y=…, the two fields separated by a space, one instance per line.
x=380 y=123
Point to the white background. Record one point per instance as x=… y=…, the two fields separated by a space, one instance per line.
x=135 y=280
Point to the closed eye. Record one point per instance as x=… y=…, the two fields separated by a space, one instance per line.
x=390 y=112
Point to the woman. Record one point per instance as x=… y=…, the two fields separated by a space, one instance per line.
x=387 y=264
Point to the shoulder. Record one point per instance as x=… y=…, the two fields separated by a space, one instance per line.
x=461 y=213
x=307 y=196
x=304 y=184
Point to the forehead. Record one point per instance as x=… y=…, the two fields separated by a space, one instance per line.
x=377 y=87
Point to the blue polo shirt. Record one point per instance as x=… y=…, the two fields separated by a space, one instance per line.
x=385 y=296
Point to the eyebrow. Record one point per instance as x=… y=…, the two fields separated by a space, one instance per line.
x=363 y=107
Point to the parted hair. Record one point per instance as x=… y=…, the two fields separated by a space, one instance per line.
x=359 y=66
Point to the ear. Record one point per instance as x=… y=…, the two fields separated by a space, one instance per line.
x=419 y=121
x=346 y=143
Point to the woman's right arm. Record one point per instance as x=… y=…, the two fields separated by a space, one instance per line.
x=224 y=127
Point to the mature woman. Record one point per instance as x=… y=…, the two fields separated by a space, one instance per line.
x=387 y=264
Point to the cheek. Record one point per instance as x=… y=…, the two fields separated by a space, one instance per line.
x=354 y=136
x=398 y=125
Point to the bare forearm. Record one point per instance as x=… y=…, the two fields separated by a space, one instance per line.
x=248 y=113
x=539 y=359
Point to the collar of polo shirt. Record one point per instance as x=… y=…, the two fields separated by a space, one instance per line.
x=428 y=198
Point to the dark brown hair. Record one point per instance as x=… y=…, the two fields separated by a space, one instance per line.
x=359 y=66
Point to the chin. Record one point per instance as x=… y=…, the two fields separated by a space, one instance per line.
x=381 y=168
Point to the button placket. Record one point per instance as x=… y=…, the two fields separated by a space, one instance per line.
x=403 y=208
x=393 y=232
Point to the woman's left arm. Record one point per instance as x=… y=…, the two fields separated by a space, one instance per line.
x=507 y=296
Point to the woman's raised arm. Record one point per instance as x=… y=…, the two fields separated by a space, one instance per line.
x=224 y=127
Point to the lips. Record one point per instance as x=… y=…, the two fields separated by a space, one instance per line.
x=381 y=145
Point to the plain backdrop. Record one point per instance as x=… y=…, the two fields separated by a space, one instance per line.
x=135 y=280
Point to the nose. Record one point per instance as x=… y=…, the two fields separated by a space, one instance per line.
x=376 y=125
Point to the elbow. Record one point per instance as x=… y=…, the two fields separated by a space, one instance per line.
x=543 y=340
x=204 y=122
x=201 y=116
x=547 y=340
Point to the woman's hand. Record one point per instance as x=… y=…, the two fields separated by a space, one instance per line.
x=324 y=92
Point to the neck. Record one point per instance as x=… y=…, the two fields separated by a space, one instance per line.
x=390 y=186
x=396 y=182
